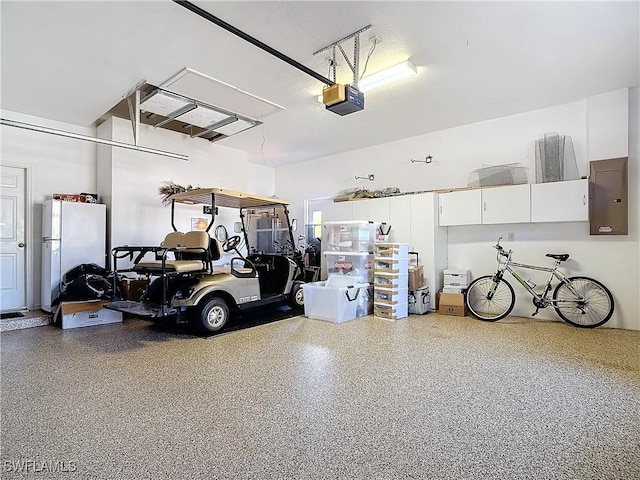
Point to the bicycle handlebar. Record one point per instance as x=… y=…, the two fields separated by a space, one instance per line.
x=501 y=250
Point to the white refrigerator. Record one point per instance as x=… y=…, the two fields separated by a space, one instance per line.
x=72 y=233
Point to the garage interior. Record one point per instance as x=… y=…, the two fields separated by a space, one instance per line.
x=427 y=396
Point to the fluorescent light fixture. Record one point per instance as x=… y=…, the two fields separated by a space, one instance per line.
x=391 y=74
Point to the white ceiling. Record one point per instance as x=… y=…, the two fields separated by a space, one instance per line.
x=73 y=61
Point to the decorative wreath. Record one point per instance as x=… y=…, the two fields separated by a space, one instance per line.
x=169 y=188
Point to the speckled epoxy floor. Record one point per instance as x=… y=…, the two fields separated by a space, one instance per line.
x=426 y=397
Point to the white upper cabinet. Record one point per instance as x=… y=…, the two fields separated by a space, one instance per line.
x=337 y=212
x=560 y=201
x=511 y=204
x=460 y=208
x=374 y=209
x=400 y=219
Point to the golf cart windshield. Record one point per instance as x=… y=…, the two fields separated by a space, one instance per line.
x=267 y=230
x=265 y=219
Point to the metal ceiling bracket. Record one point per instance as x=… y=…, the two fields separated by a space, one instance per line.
x=355 y=66
x=136 y=134
x=134 y=111
x=211 y=128
x=173 y=115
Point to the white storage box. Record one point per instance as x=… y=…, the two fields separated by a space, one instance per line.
x=391 y=265
x=387 y=312
x=448 y=289
x=391 y=280
x=337 y=304
x=359 y=265
x=397 y=250
x=390 y=296
x=350 y=236
x=86 y=314
x=457 y=278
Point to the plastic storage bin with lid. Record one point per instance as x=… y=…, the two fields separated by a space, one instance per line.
x=335 y=300
x=358 y=265
x=350 y=236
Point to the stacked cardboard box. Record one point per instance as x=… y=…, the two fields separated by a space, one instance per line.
x=451 y=300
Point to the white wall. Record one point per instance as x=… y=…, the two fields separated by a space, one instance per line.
x=137 y=215
x=634 y=172
x=126 y=180
x=458 y=151
x=55 y=165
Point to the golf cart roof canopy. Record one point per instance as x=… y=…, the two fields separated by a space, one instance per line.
x=224 y=198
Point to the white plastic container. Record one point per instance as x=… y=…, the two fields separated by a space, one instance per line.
x=419 y=301
x=390 y=296
x=350 y=236
x=359 y=265
x=391 y=265
x=397 y=250
x=391 y=280
x=337 y=303
x=391 y=312
x=456 y=278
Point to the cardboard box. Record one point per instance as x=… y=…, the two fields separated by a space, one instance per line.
x=416 y=277
x=76 y=197
x=85 y=314
x=451 y=304
x=133 y=288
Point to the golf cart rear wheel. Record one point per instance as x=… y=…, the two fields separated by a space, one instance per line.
x=213 y=315
x=296 y=297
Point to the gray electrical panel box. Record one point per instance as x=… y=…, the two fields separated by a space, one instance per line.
x=608 y=197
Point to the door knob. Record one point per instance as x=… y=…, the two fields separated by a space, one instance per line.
x=21 y=245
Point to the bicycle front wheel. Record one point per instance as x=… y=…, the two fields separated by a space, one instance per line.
x=489 y=300
x=583 y=302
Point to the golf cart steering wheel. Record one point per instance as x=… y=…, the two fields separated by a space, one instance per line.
x=231 y=243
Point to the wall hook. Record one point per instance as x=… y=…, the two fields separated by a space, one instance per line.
x=427 y=159
x=369 y=177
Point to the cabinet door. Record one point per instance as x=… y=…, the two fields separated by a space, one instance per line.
x=400 y=219
x=510 y=204
x=460 y=208
x=373 y=209
x=337 y=212
x=560 y=201
x=429 y=240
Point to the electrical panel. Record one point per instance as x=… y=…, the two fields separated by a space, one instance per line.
x=608 y=197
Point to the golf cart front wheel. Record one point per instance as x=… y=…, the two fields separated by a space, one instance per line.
x=296 y=297
x=213 y=315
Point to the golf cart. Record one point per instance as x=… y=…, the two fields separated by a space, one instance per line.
x=185 y=286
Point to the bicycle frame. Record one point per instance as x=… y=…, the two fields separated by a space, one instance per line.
x=541 y=299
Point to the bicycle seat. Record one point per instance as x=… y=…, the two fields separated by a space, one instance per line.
x=558 y=256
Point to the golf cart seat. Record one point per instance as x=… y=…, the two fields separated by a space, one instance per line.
x=193 y=252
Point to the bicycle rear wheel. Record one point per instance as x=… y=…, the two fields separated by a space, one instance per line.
x=583 y=302
x=489 y=300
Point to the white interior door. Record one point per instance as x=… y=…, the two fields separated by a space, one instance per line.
x=12 y=239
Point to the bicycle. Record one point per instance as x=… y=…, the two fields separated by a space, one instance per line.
x=579 y=301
